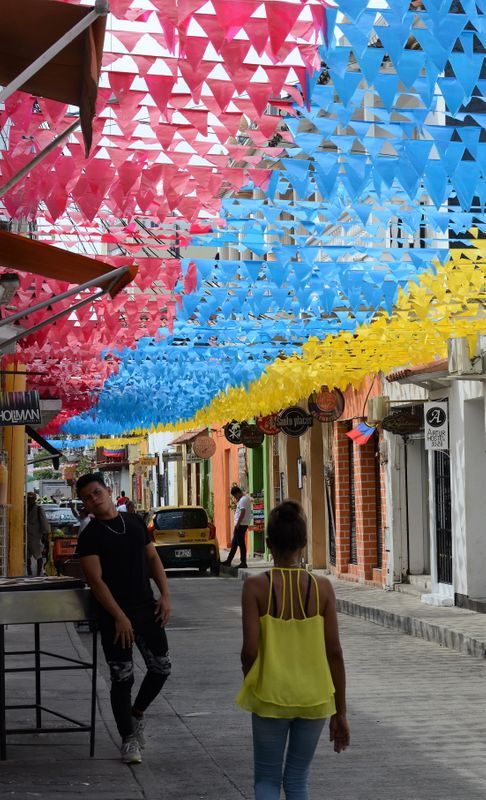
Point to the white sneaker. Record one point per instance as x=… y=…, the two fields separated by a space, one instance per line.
x=138 y=730
x=130 y=751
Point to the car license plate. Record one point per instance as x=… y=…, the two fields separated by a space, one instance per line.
x=182 y=553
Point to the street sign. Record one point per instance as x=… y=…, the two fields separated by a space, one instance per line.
x=436 y=420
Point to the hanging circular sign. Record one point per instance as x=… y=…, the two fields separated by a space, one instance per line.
x=268 y=425
x=326 y=405
x=294 y=421
x=204 y=447
x=251 y=436
x=232 y=431
x=402 y=423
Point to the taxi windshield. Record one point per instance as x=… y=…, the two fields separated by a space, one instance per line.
x=180 y=518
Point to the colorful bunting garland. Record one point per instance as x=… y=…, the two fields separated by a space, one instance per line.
x=278 y=251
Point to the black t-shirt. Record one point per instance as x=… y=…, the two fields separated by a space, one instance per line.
x=122 y=557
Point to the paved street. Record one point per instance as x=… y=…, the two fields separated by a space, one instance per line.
x=417 y=712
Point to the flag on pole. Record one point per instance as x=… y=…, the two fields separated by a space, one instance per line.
x=361 y=433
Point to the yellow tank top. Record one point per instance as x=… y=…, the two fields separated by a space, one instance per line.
x=290 y=676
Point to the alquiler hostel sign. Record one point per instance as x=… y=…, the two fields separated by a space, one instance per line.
x=19 y=408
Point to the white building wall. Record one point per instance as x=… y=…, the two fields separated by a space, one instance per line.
x=157 y=443
x=468 y=486
x=395 y=532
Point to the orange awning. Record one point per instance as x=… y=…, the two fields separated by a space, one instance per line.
x=28 y=29
x=28 y=255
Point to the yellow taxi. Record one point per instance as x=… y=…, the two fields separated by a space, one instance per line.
x=184 y=537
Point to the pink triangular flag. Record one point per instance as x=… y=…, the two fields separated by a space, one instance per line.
x=222 y=91
x=212 y=29
x=194 y=50
x=281 y=18
x=129 y=39
x=160 y=88
x=259 y=94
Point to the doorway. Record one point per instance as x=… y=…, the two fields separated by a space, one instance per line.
x=443 y=515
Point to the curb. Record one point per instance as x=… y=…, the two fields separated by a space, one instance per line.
x=414 y=626
x=409 y=624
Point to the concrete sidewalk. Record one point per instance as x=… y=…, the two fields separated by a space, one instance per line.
x=57 y=766
x=456 y=628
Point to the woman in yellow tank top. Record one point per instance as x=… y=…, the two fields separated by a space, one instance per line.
x=292 y=662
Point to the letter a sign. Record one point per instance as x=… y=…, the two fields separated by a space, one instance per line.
x=436 y=418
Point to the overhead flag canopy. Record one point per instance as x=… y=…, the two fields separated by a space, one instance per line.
x=300 y=183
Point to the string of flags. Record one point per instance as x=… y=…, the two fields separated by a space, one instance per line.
x=301 y=185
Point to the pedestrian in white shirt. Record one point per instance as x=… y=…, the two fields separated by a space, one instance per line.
x=243 y=518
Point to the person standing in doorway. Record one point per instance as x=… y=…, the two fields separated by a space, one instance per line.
x=292 y=662
x=118 y=559
x=37 y=529
x=122 y=501
x=243 y=518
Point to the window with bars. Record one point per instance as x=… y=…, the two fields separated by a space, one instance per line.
x=443 y=515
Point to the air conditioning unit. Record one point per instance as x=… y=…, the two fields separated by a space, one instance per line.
x=378 y=408
x=460 y=360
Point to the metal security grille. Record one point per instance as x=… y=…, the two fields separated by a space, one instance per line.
x=330 y=503
x=443 y=520
x=378 y=504
x=353 y=550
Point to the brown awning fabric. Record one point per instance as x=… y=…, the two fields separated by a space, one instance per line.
x=188 y=436
x=28 y=29
x=28 y=255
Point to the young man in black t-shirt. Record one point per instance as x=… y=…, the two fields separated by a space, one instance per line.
x=118 y=559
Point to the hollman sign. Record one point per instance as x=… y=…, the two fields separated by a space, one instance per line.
x=19 y=408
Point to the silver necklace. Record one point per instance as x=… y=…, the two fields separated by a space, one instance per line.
x=118 y=533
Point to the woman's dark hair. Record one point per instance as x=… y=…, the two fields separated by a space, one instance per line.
x=90 y=477
x=287 y=527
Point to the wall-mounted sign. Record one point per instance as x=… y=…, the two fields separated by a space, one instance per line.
x=403 y=423
x=436 y=420
x=326 y=405
x=294 y=421
x=204 y=447
x=232 y=431
x=268 y=425
x=20 y=408
x=251 y=436
x=175 y=456
x=148 y=461
x=192 y=458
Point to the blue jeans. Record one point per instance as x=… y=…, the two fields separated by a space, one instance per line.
x=269 y=742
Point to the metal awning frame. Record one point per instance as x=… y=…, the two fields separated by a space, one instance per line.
x=55 y=454
x=100 y=9
x=111 y=279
